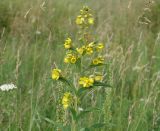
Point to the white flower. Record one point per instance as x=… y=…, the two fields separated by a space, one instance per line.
x=80 y=109
x=7 y=87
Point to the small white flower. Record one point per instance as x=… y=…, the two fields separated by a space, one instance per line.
x=80 y=109
x=7 y=87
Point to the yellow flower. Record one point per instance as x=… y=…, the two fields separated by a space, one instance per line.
x=98 y=78
x=89 y=48
x=79 y=20
x=70 y=58
x=80 y=50
x=66 y=100
x=66 y=60
x=68 y=43
x=95 y=62
x=90 y=21
x=86 y=81
x=100 y=46
x=86 y=9
x=98 y=60
x=56 y=73
x=73 y=59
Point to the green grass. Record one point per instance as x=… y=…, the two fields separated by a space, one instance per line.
x=27 y=58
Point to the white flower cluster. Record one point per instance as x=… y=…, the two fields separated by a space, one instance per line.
x=7 y=87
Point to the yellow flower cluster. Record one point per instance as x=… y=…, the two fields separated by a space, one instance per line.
x=68 y=43
x=56 y=74
x=89 y=81
x=70 y=58
x=86 y=81
x=66 y=100
x=85 y=18
x=89 y=48
x=73 y=54
x=98 y=60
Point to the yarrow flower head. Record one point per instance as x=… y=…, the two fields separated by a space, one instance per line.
x=68 y=43
x=56 y=74
x=98 y=60
x=86 y=81
x=7 y=87
x=66 y=100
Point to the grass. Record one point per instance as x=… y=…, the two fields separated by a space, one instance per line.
x=32 y=42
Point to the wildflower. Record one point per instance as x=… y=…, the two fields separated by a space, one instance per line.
x=85 y=9
x=80 y=50
x=89 y=48
x=86 y=81
x=66 y=100
x=80 y=109
x=68 y=43
x=56 y=73
x=100 y=46
x=98 y=78
x=98 y=60
x=66 y=60
x=85 y=18
x=90 y=21
x=73 y=59
x=79 y=20
x=7 y=87
x=70 y=58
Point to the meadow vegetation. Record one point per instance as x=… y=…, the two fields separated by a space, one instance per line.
x=32 y=37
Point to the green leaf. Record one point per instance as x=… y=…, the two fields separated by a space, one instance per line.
x=101 y=84
x=71 y=86
x=93 y=66
x=81 y=90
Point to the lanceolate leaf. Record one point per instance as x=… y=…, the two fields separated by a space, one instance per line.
x=93 y=66
x=101 y=84
x=81 y=90
x=70 y=85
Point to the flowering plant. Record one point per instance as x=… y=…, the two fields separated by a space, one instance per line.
x=88 y=57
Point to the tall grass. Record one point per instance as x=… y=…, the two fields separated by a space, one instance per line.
x=31 y=42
